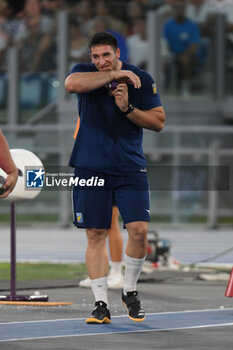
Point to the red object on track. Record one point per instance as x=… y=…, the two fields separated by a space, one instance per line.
x=229 y=290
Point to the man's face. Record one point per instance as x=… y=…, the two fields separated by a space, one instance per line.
x=104 y=57
x=179 y=10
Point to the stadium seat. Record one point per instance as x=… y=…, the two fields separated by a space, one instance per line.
x=30 y=91
x=3 y=84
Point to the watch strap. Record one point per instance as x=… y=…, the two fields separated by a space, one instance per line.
x=130 y=108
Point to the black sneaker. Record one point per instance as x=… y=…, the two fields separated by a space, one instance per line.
x=135 y=311
x=100 y=314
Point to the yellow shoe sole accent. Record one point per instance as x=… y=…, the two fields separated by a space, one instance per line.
x=137 y=319
x=93 y=320
x=133 y=319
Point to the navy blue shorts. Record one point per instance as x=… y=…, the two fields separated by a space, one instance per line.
x=93 y=201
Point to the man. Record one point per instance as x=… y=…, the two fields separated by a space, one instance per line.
x=183 y=38
x=8 y=165
x=116 y=100
x=115 y=277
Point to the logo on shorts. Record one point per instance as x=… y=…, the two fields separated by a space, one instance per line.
x=35 y=178
x=154 y=88
x=79 y=217
x=148 y=211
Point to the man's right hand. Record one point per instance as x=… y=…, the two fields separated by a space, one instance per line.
x=128 y=77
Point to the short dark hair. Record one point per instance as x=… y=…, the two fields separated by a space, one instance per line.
x=103 y=38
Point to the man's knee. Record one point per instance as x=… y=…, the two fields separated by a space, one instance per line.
x=138 y=231
x=96 y=236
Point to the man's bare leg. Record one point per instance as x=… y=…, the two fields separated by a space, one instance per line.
x=116 y=244
x=96 y=253
x=115 y=237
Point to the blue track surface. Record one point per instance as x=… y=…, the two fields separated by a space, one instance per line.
x=120 y=324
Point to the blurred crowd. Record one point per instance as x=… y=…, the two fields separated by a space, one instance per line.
x=32 y=27
x=187 y=28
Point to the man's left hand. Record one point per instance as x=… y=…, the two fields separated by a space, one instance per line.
x=121 y=96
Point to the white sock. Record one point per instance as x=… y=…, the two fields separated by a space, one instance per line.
x=133 y=269
x=99 y=288
x=116 y=267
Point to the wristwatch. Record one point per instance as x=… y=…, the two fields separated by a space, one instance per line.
x=130 y=108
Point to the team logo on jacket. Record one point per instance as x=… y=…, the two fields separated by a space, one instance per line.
x=154 y=88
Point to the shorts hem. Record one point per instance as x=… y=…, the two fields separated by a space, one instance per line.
x=90 y=227
x=133 y=220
